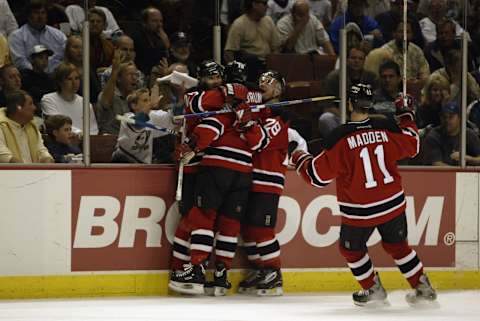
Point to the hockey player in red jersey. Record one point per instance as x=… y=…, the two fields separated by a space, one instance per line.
x=211 y=78
x=222 y=184
x=269 y=167
x=362 y=156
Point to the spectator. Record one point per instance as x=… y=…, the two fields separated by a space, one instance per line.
x=135 y=144
x=180 y=52
x=453 y=74
x=36 y=81
x=390 y=82
x=8 y=23
x=101 y=49
x=322 y=10
x=446 y=40
x=376 y=58
x=435 y=94
x=74 y=56
x=355 y=13
x=279 y=8
x=4 y=51
x=151 y=41
x=356 y=74
x=10 y=80
x=388 y=20
x=76 y=17
x=20 y=139
x=112 y=100
x=437 y=12
x=59 y=141
x=417 y=66
x=56 y=16
x=36 y=32
x=252 y=37
x=124 y=44
x=442 y=143
x=301 y=32
x=66 y=101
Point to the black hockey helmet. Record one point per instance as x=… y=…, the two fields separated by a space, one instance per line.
x=236 y=72
x=179 y=39
x=271 y=75
x=360 y=95
x=210 y=68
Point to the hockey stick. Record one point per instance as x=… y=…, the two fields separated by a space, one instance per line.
x=184 y=160
x=139 y=123
x=258 y=107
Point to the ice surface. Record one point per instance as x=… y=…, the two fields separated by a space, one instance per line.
x=458 y=306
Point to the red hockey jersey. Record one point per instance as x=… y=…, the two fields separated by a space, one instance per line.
x=269 y=164
x=363 y=156
x=222 y=145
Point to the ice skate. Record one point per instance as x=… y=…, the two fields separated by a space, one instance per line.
x=422 y=293
x=372 y=296
x=249 y=284
x=190 y=280
x=271 y=283
x=220 y=284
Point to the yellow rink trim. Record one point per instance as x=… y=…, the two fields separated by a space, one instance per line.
x=97 y=285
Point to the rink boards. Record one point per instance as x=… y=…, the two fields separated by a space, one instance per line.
x=107 y=231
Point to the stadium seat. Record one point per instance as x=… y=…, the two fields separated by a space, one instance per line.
x=294 y=67
x=322 y=65
x=102 y=147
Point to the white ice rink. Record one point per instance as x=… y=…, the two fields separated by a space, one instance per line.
x=458 y=306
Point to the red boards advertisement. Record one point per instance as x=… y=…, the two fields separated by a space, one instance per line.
x=124 y=219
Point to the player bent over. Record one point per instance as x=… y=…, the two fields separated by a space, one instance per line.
x=362 y=156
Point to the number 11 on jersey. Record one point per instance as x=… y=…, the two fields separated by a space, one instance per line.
x=370 y=181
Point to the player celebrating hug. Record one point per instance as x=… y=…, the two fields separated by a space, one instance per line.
x=362 y=156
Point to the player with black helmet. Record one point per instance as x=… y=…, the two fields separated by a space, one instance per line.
x=362 y=156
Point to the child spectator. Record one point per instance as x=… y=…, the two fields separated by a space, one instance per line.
x=60 y=138
x=134 y=143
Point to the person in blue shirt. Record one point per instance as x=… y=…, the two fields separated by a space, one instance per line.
x=36 y=32
x=59 y=141
x=355 y=13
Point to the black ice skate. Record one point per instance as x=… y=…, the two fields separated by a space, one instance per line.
x=190 y=280
x=423 y=292
x=376 y=294
x=249 y=284
x=220 y=284
x=271 y=283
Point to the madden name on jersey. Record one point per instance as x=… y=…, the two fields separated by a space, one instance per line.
x=370 y=137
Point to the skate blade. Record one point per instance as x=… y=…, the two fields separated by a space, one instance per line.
x=186 y=288
x=215 y=291
x=423 y=303
x=373 y=304
x=247 y=291
x=270 y=292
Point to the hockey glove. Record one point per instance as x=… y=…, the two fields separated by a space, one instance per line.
x=299 y=157
x=244 y=117
x=235 y=94
x=404 y=106
x=185 y=151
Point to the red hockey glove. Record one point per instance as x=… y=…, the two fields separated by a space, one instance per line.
x=299 y=157
x=244 y=117
x=405 y=105
x=235 y=94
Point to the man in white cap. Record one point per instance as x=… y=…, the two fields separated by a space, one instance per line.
x=36 y=81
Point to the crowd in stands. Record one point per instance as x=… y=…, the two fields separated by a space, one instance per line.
x=134 y=44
